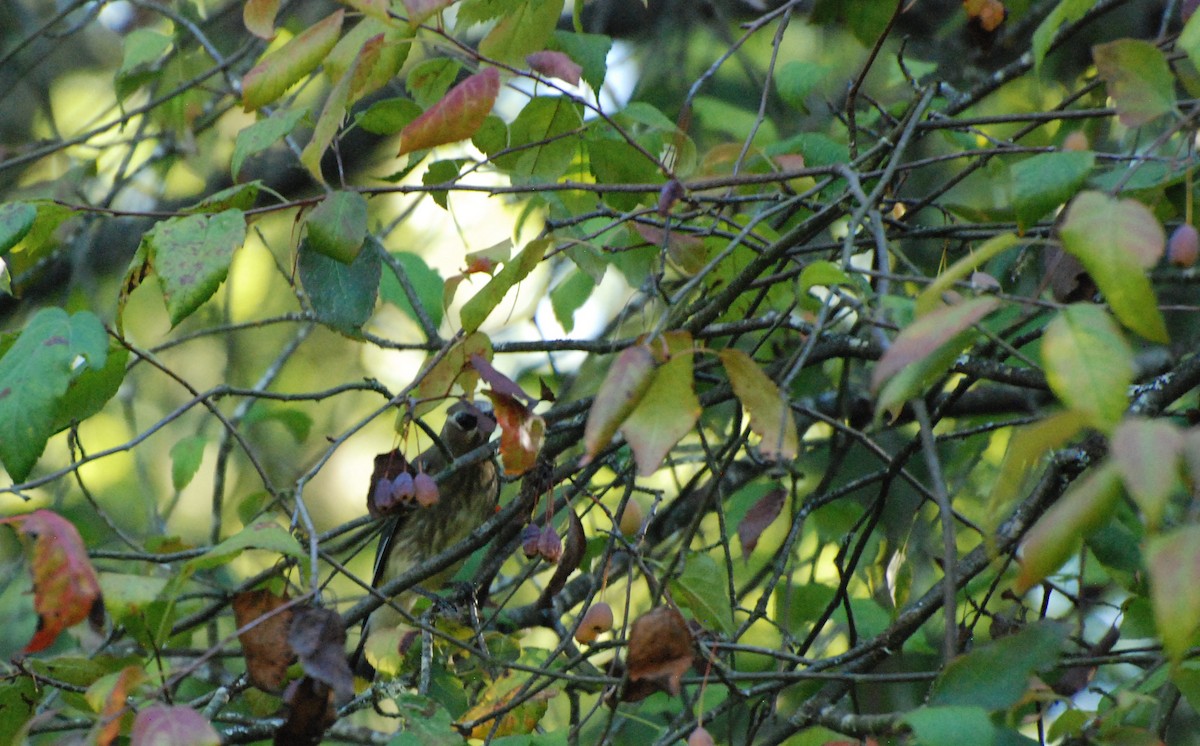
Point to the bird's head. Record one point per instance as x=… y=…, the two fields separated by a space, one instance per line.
x=468 y=426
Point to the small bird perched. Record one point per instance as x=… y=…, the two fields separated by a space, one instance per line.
x=466 y=499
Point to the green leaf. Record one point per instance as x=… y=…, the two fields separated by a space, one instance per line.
x=19 y=699
x=702 y=589
x=285 y=66
x=1189 y=39
x=92 y=388
x=1139 y=79
x=126 y=594
x=925 y=350
x=238 y=197
x=262 y=135
x=951 y=726
x=539 y=137
x=931 y=297
x=1065 y=12
x=770 y=414
x=34 y=375
x=16 y=218
x=1026 y=446
x=668 y=410
x=297 y=423
x=1045 y=181
x=589 y=50
x=476 y=310
x=267 y=536
x=337 y=103
x=525 y=27
x=441 y=172
x=186 y=456
x=1089 y=365
x=1148 y=454
x=342 y=295
x=429 y=80
x=338 y=226
x=457 y=116
x=427 y=283
x=389 y=116
x=569 y=296
x=995 y=676
x=1086 y=506
x=191 y=256
x=1173 y=561
x=796 y=81
x=383 y=67
x=424 y=722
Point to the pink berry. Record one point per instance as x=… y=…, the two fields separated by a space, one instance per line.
x=1184 y=247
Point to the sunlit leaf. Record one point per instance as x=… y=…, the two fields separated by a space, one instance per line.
x=1138 y=77
x=285 y=66
x=475 y=311
x=770 y=413
x=521 y=433
x=1026 y=446
x=65 y=588
x=525 y=27
x=452 y=369
x=456 y=117
x=1116 y=240
x=1085 y=507
x=1089 y=365
x=667 y=411
x=1173 y=561
x=191 y=256
x=540 y=141
x=337 y=103
x=268 y=536
x=1147 y=453
x=623 y=387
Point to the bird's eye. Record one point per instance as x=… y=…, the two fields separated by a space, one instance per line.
x=466 y=420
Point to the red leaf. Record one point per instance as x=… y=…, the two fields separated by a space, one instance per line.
x=555 y=65
x=456 y=117
x=763 y=514
x=65 y=588
x=280 y=69
x=521 y=433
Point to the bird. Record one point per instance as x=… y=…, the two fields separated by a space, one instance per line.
x=467 y=497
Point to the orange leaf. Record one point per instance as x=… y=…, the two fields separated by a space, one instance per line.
x=114 y=707
x=264 y=645
x=65 y=588
x=521 y=433
x=456 y=117
x=660 y=652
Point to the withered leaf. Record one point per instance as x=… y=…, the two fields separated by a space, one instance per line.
x=265 y=645
x=318 y=637
x=762 y=514
x=660 y=652
x=521 y=433
x=498 y=381
x=310 y=713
